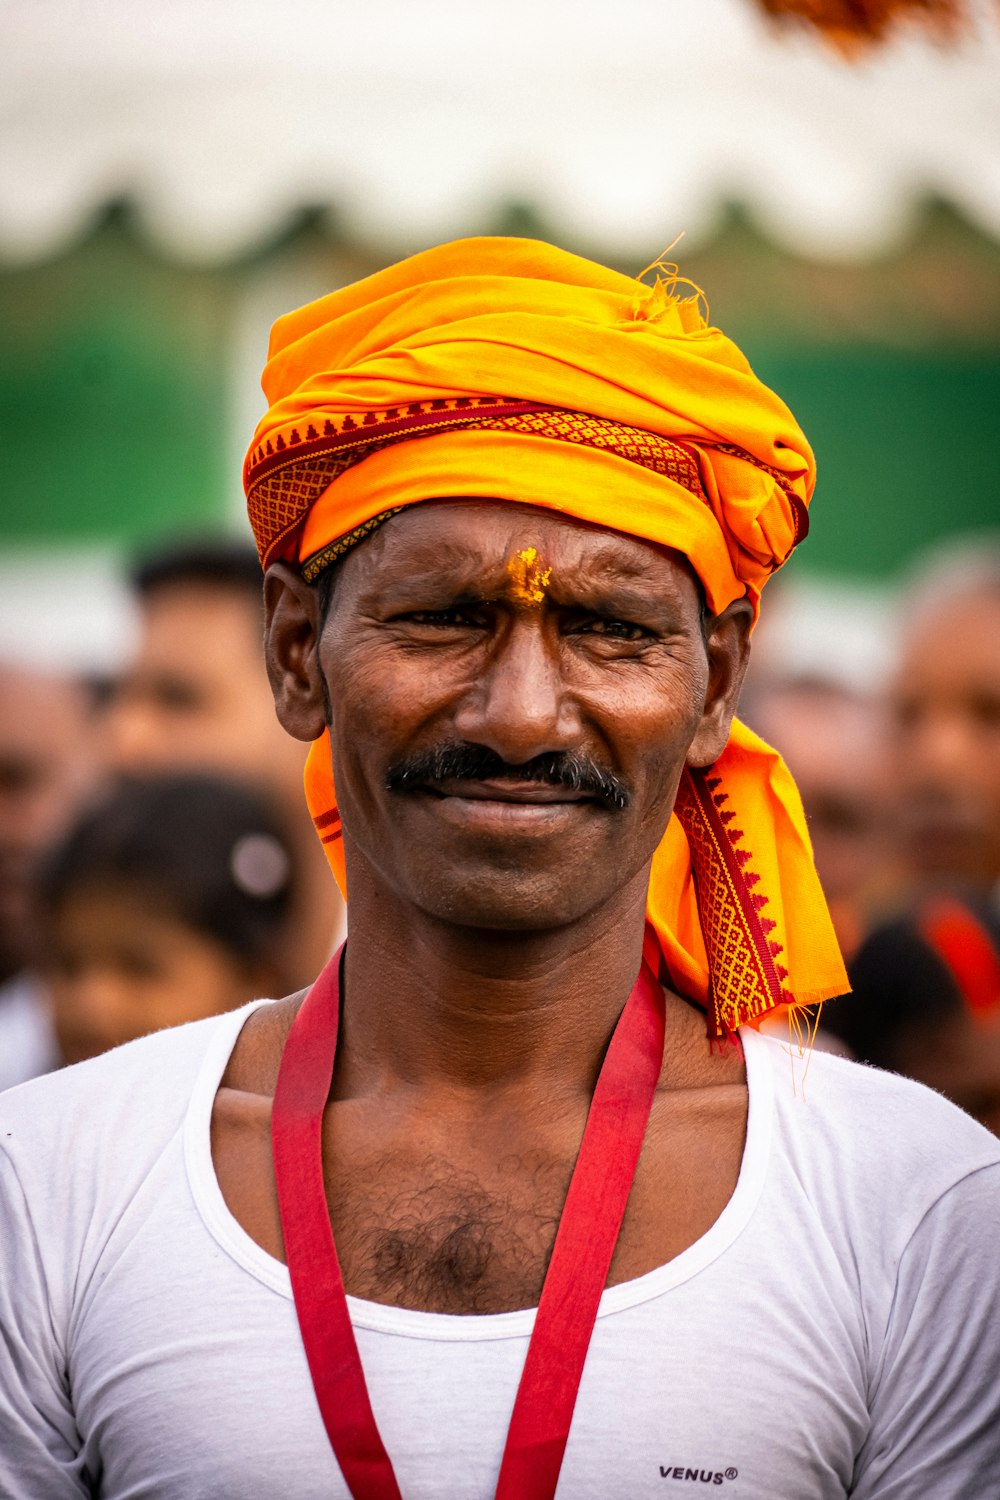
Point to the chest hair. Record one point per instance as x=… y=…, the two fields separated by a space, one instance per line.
x=451 y=1243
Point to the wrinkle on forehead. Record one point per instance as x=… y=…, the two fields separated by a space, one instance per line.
x=475 y=545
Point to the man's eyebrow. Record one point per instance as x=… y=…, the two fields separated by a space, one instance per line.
x=605 y=580
x=460 y=584
x=618 y=601
x=618 y=584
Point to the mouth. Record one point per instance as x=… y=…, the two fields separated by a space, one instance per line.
x=505 y=808
x=512 y=793
x=465 y=773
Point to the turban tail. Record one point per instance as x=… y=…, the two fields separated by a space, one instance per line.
x=511 y=370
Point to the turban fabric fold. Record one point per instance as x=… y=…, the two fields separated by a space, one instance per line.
x=511 y=370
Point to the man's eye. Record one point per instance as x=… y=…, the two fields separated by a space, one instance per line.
x=441 y=617
x=616 y=630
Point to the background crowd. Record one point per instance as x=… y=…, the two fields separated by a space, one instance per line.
x=156 y=859
x=157 y=863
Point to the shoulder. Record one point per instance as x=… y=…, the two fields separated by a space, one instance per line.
x=870 y=1112
x=870 y=1149
x=117 y=1108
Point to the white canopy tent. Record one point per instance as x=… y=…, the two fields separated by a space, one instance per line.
x=627 y=123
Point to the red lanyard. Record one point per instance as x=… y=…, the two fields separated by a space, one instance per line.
x=578 y=1270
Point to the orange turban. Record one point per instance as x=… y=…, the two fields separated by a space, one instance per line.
x=512 y=370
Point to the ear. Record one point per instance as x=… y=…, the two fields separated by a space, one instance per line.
x=291 y=641
x=728 y=647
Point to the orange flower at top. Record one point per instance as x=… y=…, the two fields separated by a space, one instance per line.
x=852 y=25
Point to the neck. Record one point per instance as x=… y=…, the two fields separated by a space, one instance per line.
x=431 y=1005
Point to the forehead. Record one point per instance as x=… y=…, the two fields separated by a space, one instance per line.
x=478 y=541
x=825 y=733
x=193 y=621
x=956 y=638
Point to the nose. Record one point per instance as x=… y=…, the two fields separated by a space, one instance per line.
x=520 y=705
x=937 y=749
x=131 y=741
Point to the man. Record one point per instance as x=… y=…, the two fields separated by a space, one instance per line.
x=833 y=741
x=46 y=768
x=195 y=697
x=946 y=710
x=516 y=512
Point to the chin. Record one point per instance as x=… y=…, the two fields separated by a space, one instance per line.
x=508 y=904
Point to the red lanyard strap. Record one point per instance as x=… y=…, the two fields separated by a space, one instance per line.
x=577 y=1273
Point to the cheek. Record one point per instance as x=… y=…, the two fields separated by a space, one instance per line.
x=655 y=716
x=384 y=704
x=647 y=740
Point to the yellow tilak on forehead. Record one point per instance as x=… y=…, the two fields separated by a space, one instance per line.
x=528 y=579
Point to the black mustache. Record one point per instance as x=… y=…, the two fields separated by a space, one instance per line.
x=464 y=761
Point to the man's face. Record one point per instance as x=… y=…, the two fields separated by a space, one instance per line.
x=513 y=697
x=947 y=740
x=833 y=742
x=196 y=694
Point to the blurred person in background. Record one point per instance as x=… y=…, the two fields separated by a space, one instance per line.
x=166 y=902
x=47 y=765
x=833 y=740
x=196 y=697
x=946 y=720
x=926 y=1001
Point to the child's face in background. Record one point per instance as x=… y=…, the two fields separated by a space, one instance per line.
x=116 y=967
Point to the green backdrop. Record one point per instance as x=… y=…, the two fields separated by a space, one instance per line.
x=116 y=371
